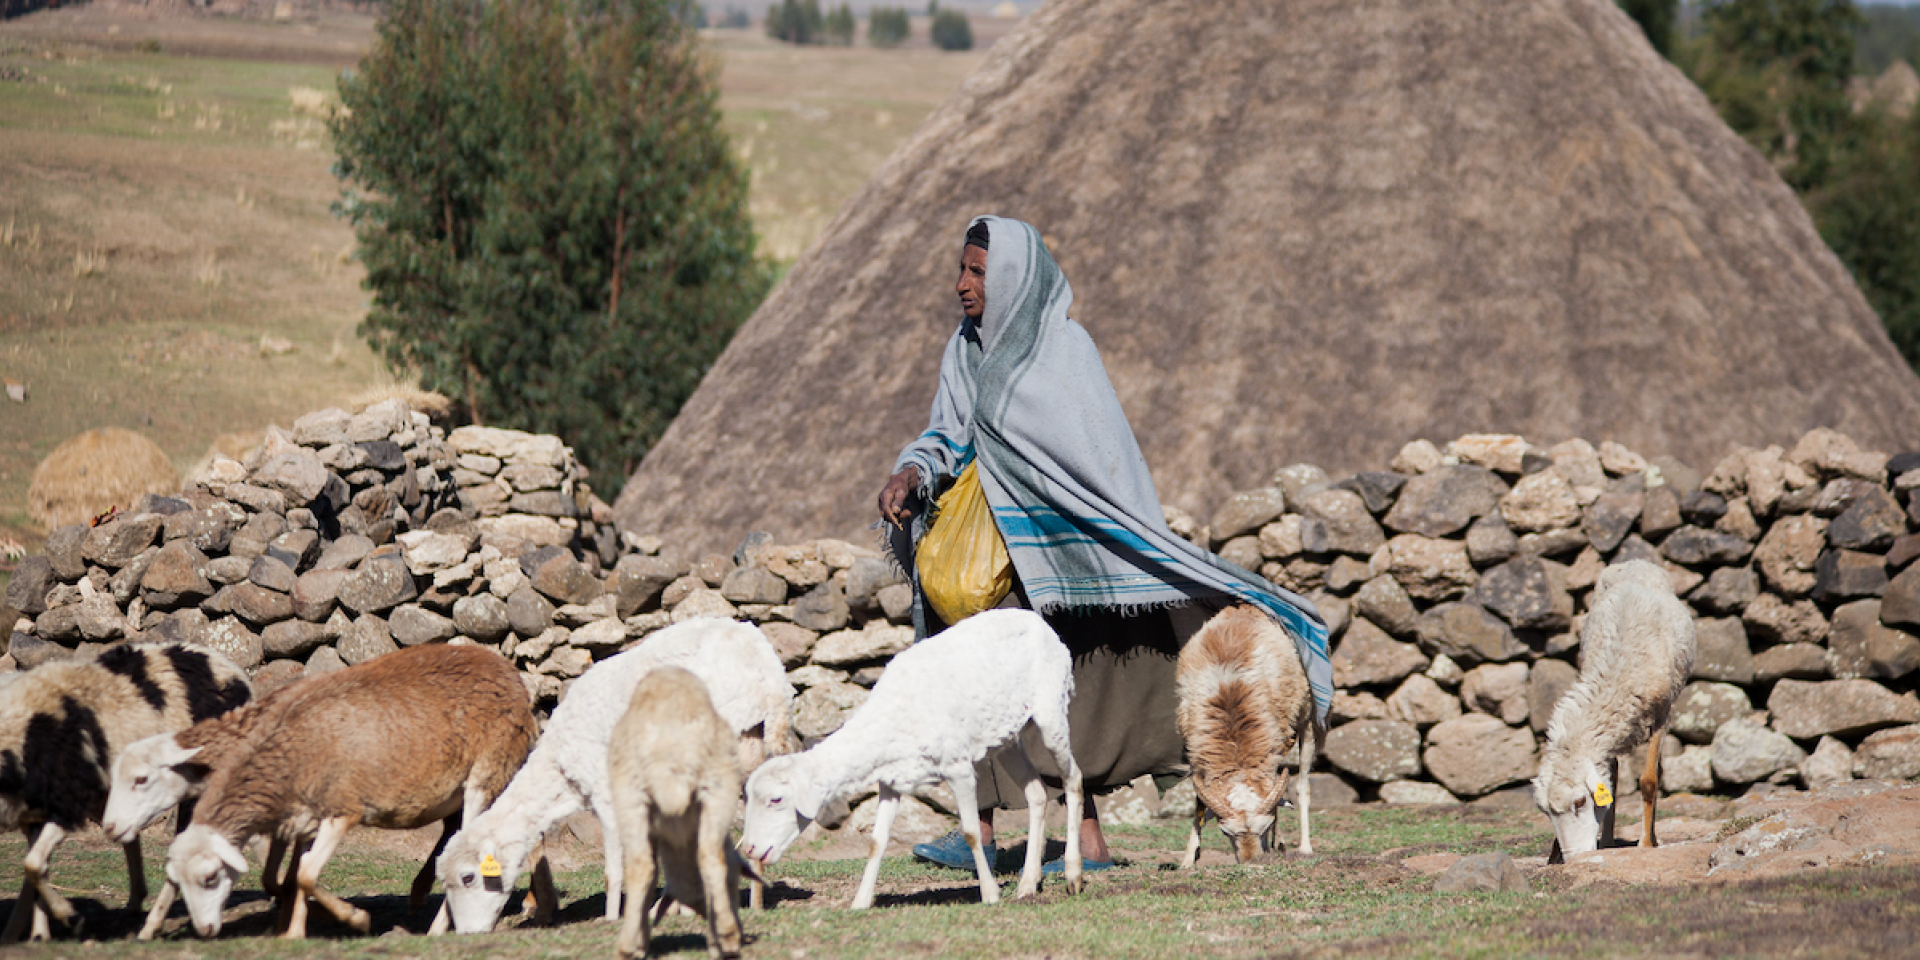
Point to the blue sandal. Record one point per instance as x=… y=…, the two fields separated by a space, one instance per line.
x=1086 y=866
x=952 y=851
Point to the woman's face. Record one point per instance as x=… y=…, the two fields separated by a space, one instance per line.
x=972 y=286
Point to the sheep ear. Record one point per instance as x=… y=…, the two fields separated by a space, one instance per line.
x=1597 y=789
x=806 y=799
x=176 y=755
x=230 y=854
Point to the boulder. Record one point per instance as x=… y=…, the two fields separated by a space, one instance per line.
x=1901 y=599
x=324 y=660
x=1445 y=499
x=1659 y=513
x=1367 y=655
x=1377 y=488
x=1244 y=513
x=274 y=674
x=1502 y=452
x=63 y=553
x=878 y=640
x=1412 y=792
x=1337 y=521
x=1701 y=709
x=1297 y=480
x=1498 y=690
x=115 y=543
x=1375 y=750
x=1540 y=501
x=1468 y=634
x=1870 y=522
x=637 y=581
x=1611 y=516
x=231 y=639
x=1689 y=771
x=27 y=590
x=822 y=610
x=865 y=578
x=1490 y=540
x=604 y=635
x=1385 y=603
x=271 y=572
x=297 y=475
x=176 y=575
x=1421 y=702
x=1476 y=754
x=896 y=601
x=821 y=710
x=704 y=602
x=344 y=553
x=1547 y=682
x=1787 y=554
x=1727 y=591
x=563 y=579
x=1491 y=872
x=97 y=618
x=1830 y=763
x=1827 y=452
x=1417 y=457
x=258 y=605
x=1524 y=593
x=1845 y=574
x=483 y=617
x=1427 y=568
x=413 y=625
x=428 y=552
x=293 y=638
x=1693 y=546
x=316 y=593
x=1772 y=620
x=1746 y=752
x=1889 y=754
x=1738 y=521
x=1355 y=706
x=380 y=584
x=1799 y=661
x=792 y=642
x=529 y=613
x=366 y=639
x=754 y=585
x=1860 y=646
x=1281 y=539
x=1721 y=651
x=1808 y=709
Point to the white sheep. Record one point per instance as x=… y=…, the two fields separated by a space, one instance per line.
x=941 y=706
x=1636 y=650
x=1243 y=703
x=568 y=768
x=62 y=724
x=675 y=782
x=399 y=742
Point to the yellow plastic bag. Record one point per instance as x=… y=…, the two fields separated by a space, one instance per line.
x=962 y=561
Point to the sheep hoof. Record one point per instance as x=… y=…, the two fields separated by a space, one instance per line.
x=1073 y=886
x=361 y=921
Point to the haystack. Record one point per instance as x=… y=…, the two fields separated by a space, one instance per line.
x=1307 y=230
x=103 y=468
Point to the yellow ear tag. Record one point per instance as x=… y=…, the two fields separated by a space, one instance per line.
x=489 y=867
x=1601 y=795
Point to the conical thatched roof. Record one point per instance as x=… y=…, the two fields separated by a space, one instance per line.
x=1307 y=230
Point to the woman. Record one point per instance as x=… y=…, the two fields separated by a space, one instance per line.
x=1023 y=396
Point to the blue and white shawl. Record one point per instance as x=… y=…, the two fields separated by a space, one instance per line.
x=1024 y=393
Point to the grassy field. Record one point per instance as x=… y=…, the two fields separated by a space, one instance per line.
x=1352 y=899
x=164 y=212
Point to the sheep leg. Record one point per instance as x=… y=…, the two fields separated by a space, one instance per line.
x=721 y=878
x=271 y=881
x=883 y=824
x=615 y=862
x=325 y=842
x=162 y=903
x=1304 y=787
x=1192 y=856
x=423 y=881
x=545 y=901
x=1606 y=812
x=26 y=905
x=1020 y=768
x=35 y=870
x=1650 y=790
x=289 y=890
x=136 y=875
x=1054 y=734
x=636 y=927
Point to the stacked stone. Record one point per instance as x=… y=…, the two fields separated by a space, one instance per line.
x=353 y=535
x=1456 y=583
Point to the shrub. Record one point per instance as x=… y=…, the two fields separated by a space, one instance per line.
x=888 y=26
x=554 y=228
x=795 y=21
x=951 y=31
x=839 y=26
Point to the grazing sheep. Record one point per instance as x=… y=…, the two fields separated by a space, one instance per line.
x=1243 y=703
x=1636 y=650
x=153 y=776
x=419 y=735
x=568 y=769
x=675 y=782
x=941 y=705
x=62 y=724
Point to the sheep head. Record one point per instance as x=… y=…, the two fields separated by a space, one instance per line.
x=479 y=875
x=1244 y=801
x=204 y=865
x=782 y=799
x=150 y=778
x=1572 y=793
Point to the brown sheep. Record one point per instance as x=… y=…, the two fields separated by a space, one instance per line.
x=421 y=735
x=675 y=779
x=1243 y=703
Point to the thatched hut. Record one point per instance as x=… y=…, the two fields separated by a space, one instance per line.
x=1307 y=230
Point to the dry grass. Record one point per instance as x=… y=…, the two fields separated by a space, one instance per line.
x=94 y=471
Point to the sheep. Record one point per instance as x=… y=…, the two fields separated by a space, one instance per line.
x=1243 y=701
x=62 y=724
x=423 y=734
x=1636 y=650
x=941 y=705
x=568 y=769
x=675 y=782
x=154 y=775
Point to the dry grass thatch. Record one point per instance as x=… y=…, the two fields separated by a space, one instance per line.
x=1307 y=230
x=98 y=469
x=434 y=405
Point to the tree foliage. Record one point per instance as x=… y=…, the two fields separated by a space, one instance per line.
x=796 y=21
x=554 y=229
x=1869 y=213
x=888 y=26
x=839 y=26
x=1888 y=32
x=1657 y=19
x=951 y=31
x=1778 y=71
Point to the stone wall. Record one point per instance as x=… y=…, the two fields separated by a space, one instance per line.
x=1455 y=583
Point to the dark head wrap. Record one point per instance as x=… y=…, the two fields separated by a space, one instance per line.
x=977 y=234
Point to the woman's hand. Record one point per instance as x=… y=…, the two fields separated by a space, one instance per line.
x=893 y=496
